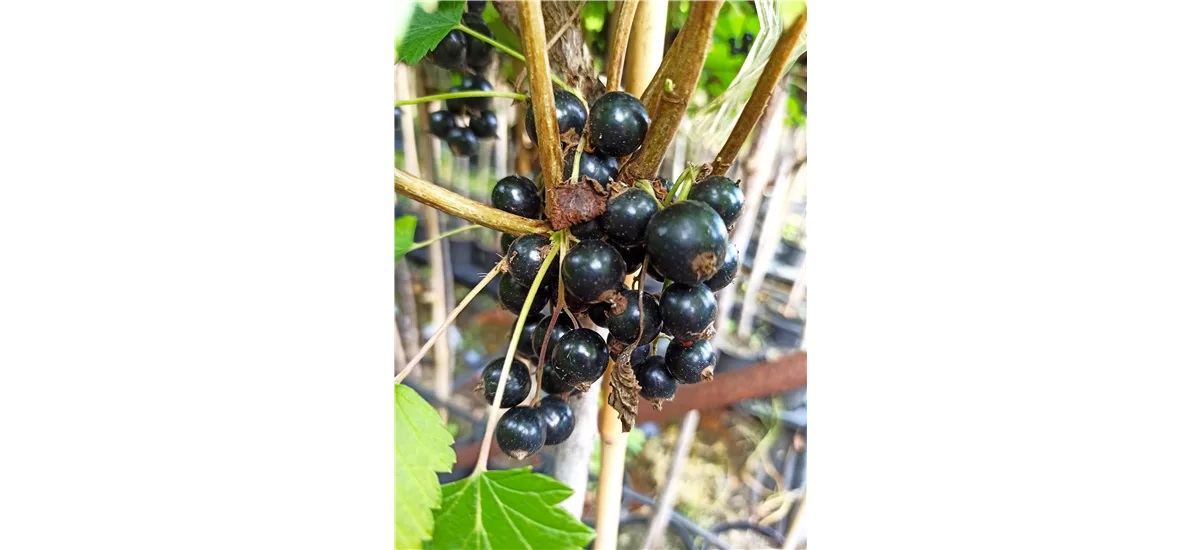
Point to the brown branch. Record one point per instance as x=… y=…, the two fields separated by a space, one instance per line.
x=776 y=66
x=684 y=73
x=571 y=58
x=541 y=93
x=618 y=44
x=457 y=205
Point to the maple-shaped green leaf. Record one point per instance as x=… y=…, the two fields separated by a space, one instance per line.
x=508 y=509
x=427 y=28
x=423 y=448
x=406 y=229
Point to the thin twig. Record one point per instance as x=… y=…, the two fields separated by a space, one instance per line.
x=446 y=324
x=457 y=205
x=423 y=244
x=511 y=52
x=460 y=95
x=562 y=29
x=619 y=43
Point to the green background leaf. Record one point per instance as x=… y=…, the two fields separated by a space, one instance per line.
x=423 y=447
x=507 y=509
x=426 y=29
x=406 y=228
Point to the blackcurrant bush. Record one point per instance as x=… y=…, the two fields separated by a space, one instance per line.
x=451 y=52
x=485 y=125
x=517 y=195
x=462 y=142
x=627 y=216
x=479 y=53
x=551 y=382
x=476 y=6
x=558 y=418
x=516 y=388
x=440 y=123
x=506 y=241
x=655 y=381
x=521 y=432
x=571 y=114
x=561 y=327
x=691 y=364
x=686 y=242
x=687 y=311
x=526 y=256
x=590 y=229
x=477 y=84
x=591 y=268
x=624 y=326
x=721 y=194
x=598 y=313
x=634 y=257
x=525 y=342
x=456 y=105
x=617 y=124
x=513 y=293
x=729 y=269
x=580 y=356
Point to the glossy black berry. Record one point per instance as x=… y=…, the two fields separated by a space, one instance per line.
x=634 y=257
x=729 y=269
x=521 y=432
x=639 y=354
x=575 y=305
x=526 y=256
x=624 y=326
x=516 y=388
x=580 y=356
x=476 y=6
x=517 y=195
x=525 y=342
x=479 y=53
x=686 y=242
x=462 y=142
x=617 y=124
x=598 y=313
x=591 y=268
x=627 y=216
x=655 y=381
x=456 y=105
x=687 y=311
x=654 y=274
x=451 y=52
x=513 y=293
x=506 y=241
x=590 y=229
x=485 y=125
x=593 y=165
x=691 y=364
x=397 y=118
x=558 y=418
x=721 y=194
x=477 y=84
x=561 y=327
x=571 y=114
x=551 y=382
x=440 y=123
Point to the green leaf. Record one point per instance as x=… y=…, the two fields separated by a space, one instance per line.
x=423 y=447
x=508 y=509
x=427 y=28
x=406 y=228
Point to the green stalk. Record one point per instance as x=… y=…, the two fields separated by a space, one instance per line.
x=460 y=95
x=423 y=244
x=517 y=55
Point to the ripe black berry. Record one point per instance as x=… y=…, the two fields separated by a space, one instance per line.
x=516 y=388
x=477 y=84
x=440 y=123
x=397 y=118
x=575 y=305
x=598 y=313
x=479 y=53
x=580 y=356
x=747 y=40
x=476 y=6
x=627 y=216
x=593 y=165
x=617 y=124
x=521 y=432
x=691 y=364
x=686 y=242
x=721 y=194
x=571 y=114
x=525 y=342
x=462 y=142
x=655 y=381
x=513 y=293
x=687 y=311
x=624 y=326
x=639 y=354
x=456 y=105
x=561 y=327
x=591 y=268
x=558 y=418
x=517 y=195
x=485 y=125
x=551 y=383
x=451 y=52
x=654 y=274
x=634 y=257
x=729 y=269
x=526 y=256
x=590 y=229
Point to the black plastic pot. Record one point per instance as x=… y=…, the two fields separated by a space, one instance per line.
x=461 y=254
x=783 y=332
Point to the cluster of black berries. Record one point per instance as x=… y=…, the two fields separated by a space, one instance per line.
x=747 y=40
x=465 y=121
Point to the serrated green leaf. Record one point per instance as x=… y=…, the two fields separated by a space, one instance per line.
x=508 y=509
x=423 y=448
x=406 y=229
x=427 y=28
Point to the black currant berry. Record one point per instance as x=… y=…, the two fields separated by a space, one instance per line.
x=747 y=40
x=571 y=114
x=551 y=382
x=462 y=142
x=451 y=52
x=558 y=418
x=575 y=305
x=593 y=165
x=721 y=194
x=479 y=53
x=617 y=124
x=729 y=269
x=655 y=381
x=624 y=326
x=517 y=195
x=477 y=84
x=687 y=311
x=598 y=313
x=580 y=356
x=397 y=118
x=591 y=268
x=686 y=242
x=513 y=293
x=516 y=388
x=526 y=256
x=691 y=364
x=639 y=354
x=485 y=125
x=627 y=216
x=476 y=6
x=521 y=432
x=561 y=327
x=525 y=342
x=653 y=273
x=634 y=257
x=456 y=105
x=440 y=123
x=506 y=241
x=590 y=229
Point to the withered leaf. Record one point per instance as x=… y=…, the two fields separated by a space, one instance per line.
x=573 y=203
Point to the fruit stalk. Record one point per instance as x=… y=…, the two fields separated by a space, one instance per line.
x=425 y=243
x=457 y=205
x=511 y=52
x=757 y=103
x=446 y=324
x=458 y=95
x=533 y=41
